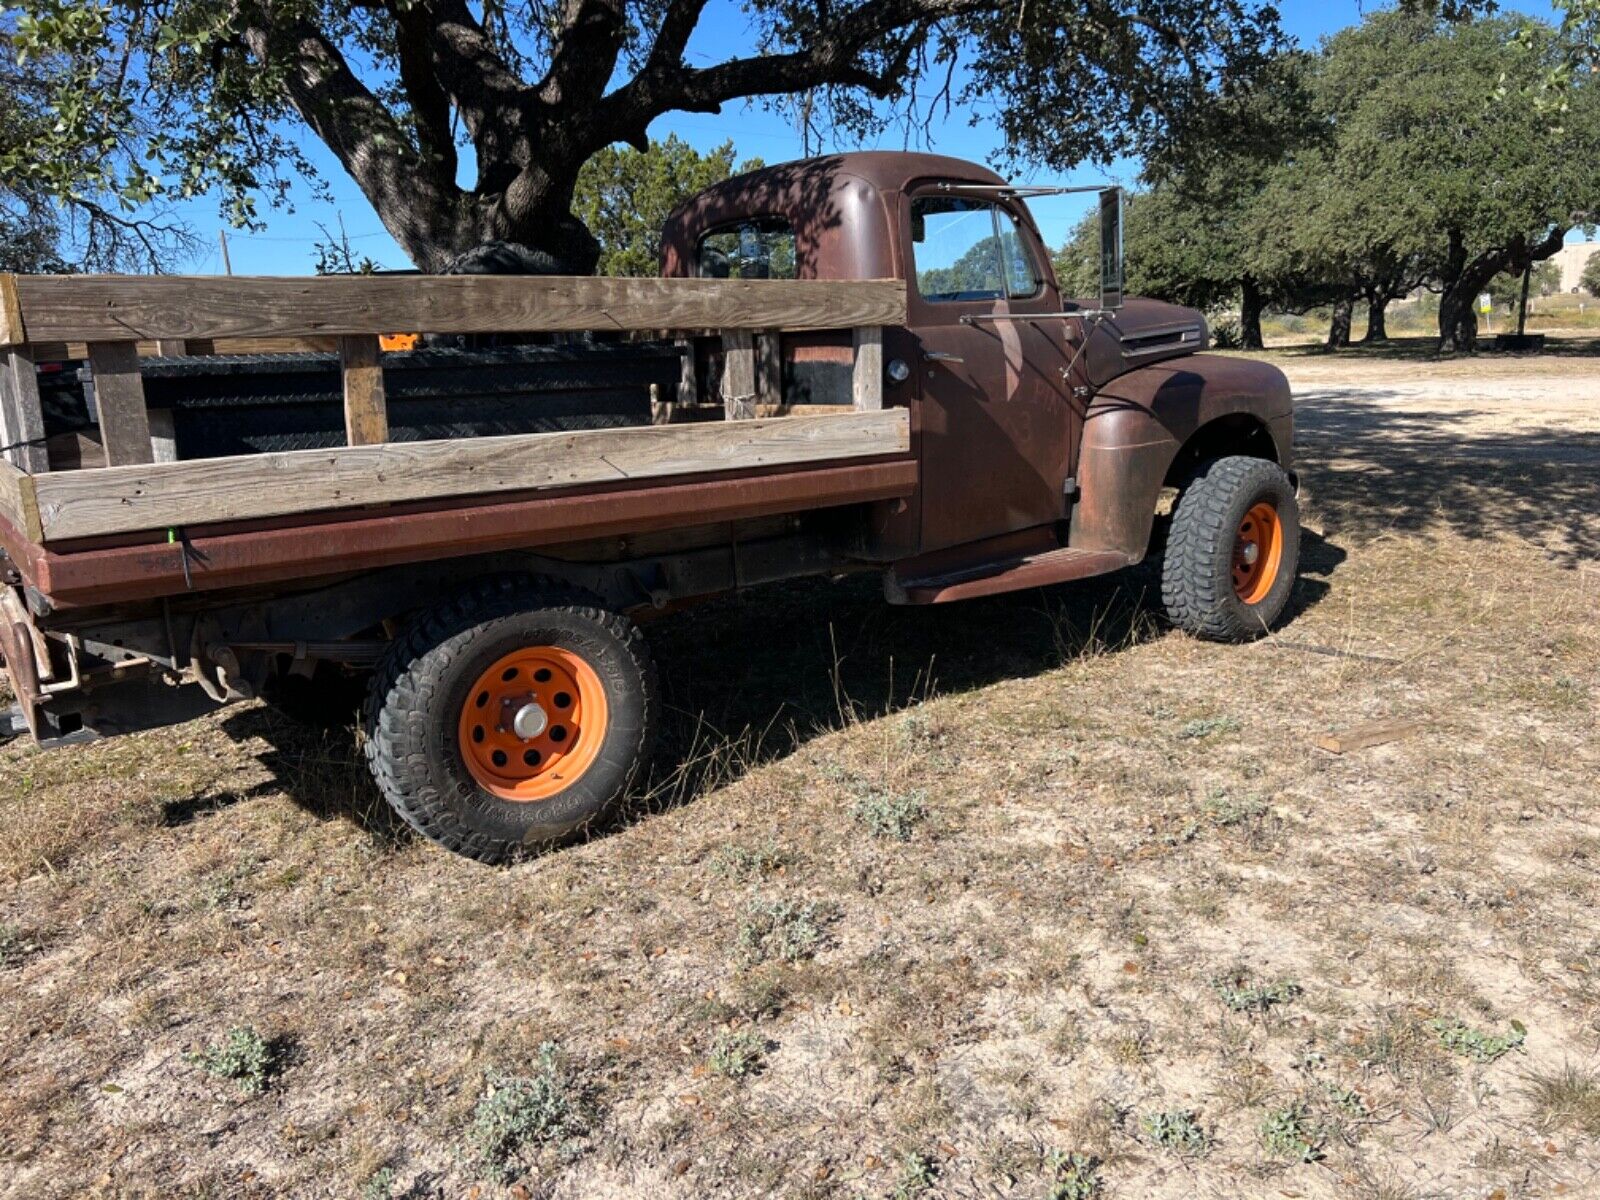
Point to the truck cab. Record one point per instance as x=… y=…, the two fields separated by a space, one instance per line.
x=1046 y=426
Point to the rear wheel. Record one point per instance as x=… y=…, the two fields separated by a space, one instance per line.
x=1232 y=551
x=511 y=718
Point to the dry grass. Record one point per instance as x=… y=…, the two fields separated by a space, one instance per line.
x=1030 y=973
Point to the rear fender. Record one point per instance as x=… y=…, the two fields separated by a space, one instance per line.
x=1143 y=426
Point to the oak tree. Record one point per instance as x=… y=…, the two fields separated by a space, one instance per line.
x=467 y=121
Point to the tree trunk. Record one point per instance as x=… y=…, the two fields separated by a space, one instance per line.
x=1458 y=320
x=1377 y=318
x=1250 y=306
x=1339 y=329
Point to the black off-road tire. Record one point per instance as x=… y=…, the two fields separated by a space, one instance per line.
x=414 y=705
x=1197 y=563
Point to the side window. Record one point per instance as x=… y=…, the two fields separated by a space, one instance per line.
x=759 y=248
x=969 y=250
x=1022 y=275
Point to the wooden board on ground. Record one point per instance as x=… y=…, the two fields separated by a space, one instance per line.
x=90 y=308
x=80 y=504
x=1365 y=737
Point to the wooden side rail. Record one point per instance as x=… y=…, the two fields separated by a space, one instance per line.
x=112 y=315
x=69 y=505
x=107 y=308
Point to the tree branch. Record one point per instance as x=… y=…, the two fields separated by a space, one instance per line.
x=429 y=103
x=371 y=145
x=585 y=52
x=833 y=55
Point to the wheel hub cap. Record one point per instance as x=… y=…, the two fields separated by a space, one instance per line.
x=530 y=722
x=533 y=723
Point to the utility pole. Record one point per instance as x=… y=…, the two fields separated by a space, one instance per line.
x=1522 y=317
x=222 y=240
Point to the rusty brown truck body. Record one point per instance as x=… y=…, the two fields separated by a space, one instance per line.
x=869 y=367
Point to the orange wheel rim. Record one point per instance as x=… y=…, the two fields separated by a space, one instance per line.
x=533 y=723
x=1257 y=553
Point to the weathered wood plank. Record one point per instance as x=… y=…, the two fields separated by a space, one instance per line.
x=366 y=411
x=17 y=503
x=868 y=378
x=12 y=331
x=769 y=368
x=76 y=504
x=688 y=379
x=21 y=416
x=1365 y=737
x=88 y=308
x=119 y=400
x=738 y=375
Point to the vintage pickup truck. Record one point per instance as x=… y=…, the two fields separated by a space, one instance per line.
x=854 y=363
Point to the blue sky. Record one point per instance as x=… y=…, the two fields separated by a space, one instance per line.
x=285 y=246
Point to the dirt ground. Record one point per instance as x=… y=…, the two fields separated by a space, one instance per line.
x=1026 y=898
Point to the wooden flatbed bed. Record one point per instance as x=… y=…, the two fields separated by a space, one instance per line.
x=138 y=528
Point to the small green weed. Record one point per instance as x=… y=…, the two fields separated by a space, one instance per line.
x=749 y=862
x=243 y=1056
x=1177 y=1131
x=892 y=817
x=917 y=1175
x=546 y=1108
x=380 y=1186
x=735 y=1055
x=1227 y=811
x=1288 y=1133
x=1347 y=1100
x=1241 y=994
x=780 y=930
x=1205 y=727
x=1073 y=1176
x=1460 y=1038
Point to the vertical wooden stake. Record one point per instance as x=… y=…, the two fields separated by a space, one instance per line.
x=119 y=398
x=688 y=381
x=366 y=410
x=868 y=382
x=738 y=374
x=769 y=369
x=21 y=417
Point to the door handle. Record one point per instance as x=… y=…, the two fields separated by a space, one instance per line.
x=940 y=356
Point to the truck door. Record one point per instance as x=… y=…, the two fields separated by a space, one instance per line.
x=998 y=424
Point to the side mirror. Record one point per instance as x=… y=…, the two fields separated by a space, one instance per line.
x=1111 y=267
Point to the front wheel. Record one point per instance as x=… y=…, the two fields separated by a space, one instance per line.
x=511 y=718
x=1232 y=551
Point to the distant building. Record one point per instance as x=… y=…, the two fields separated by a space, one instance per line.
x=1572 y=259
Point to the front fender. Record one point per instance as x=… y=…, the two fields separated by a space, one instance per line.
x=1138 y=425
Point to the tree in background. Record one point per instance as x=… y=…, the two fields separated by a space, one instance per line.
x=185 y=97
x=47 y=229
x=1589 y=281
x=624 y=197
x=1506 y=289
x=1444 y=159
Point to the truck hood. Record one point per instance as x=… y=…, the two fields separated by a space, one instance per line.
x=1141 y=333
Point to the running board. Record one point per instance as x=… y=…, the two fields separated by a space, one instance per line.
x=1007 y=575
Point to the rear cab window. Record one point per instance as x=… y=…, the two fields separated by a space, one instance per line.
x=970 y=250
x=753 y=248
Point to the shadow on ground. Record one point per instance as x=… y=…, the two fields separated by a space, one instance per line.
x=1374 y=469
x=1426 y=349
